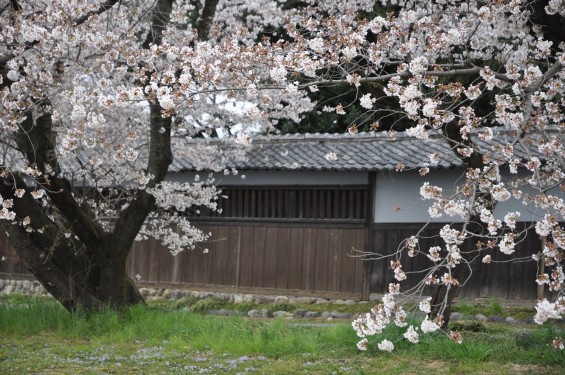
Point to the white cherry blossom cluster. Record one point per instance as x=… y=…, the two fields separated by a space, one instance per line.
x=546 y=310
x=5 y=212
x=389 y=312
x=375 y=322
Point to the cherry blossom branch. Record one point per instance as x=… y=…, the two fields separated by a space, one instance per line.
x=101 y=9
x=551 y=72
x=475 y=70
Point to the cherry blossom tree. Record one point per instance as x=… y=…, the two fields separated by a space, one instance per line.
x=98 y=96
x=488 y=77
x=88 y=113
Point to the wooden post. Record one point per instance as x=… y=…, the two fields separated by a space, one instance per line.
x=238 y=266
x=369 y=215
x=541 y=267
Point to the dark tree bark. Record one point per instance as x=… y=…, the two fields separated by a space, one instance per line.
x=551 y=25
x=205 y=21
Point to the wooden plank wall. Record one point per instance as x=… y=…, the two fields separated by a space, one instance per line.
x=497 y=280
x=282 y=257
x=11 y=267
x=311 y=258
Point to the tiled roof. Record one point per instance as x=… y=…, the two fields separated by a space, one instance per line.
x=355 y=152
x=372 y=151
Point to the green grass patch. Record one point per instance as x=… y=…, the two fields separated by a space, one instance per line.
x=237 y=335
x=39 y=336
x=204 y=305
x=493 y=308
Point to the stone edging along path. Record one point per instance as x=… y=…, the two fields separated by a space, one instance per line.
x=34 y=288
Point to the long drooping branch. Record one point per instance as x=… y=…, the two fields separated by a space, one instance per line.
x=131 y=219
x=457 y=71
x=444 y=295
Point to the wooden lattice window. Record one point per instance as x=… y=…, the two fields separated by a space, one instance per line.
x=336 y=203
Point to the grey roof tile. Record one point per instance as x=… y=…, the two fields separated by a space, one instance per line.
x=373 y=151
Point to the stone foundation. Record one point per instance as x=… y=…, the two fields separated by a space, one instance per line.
x=34 y=288
x=25 y=287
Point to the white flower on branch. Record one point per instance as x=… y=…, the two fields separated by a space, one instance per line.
x=363 y=344
x=473 y=92
x=511 y=218
x=418 y=65
x=434 y=254
x=544 y=226
x=278 y=74
x=418 y=132
x=546 y=310
x=456 y=337
x=38 y=194
x=507 y=244
x=394 y=288
x=349 y=52
x=412 y=335
x=428 y=326
x=331 y=156
x=425 y=305
x=386 y=345
x=366 y=101
x=558 y=344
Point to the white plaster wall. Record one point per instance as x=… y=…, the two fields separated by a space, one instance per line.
x=397 y=195
x=402 y=190
x=288 y=178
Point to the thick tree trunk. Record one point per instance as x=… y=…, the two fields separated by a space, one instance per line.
x=116 y=288
x=88 y=268
x=71 y=273
x=443 y=297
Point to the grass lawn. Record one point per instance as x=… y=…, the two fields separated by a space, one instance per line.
x=39 y=337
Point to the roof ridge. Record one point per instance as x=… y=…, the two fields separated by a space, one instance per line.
x=372 y=135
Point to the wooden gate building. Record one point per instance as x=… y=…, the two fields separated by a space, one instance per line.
x=308 y=206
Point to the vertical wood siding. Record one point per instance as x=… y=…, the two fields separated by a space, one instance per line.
x=313 y=259
x=505 y=280
x=11 y=266
x=306 y=257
